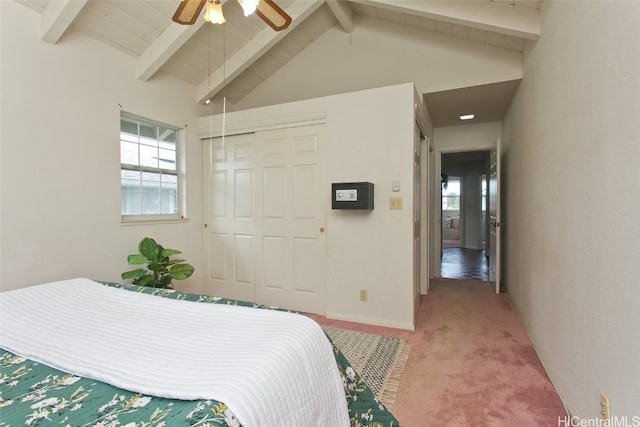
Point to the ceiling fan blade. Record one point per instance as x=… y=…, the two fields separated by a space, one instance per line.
x=188 y=11
x=273 y=15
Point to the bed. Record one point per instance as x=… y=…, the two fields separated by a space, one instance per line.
x=129 y=366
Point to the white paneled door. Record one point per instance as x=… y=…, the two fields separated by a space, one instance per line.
x=265 y=216
x=229 y=217
x=495 y=223
x=290 y=245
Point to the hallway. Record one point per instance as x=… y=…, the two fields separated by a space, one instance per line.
x=460 y=263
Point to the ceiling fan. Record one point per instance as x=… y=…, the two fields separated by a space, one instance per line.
x=189 y=10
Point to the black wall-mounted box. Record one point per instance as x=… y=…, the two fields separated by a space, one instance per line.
x=352 y=195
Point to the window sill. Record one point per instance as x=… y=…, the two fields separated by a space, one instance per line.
x=126 y=221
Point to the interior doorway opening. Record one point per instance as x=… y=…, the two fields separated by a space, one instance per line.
x=464 y=220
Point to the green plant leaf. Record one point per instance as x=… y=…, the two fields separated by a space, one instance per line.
x=164 y=282
x=168 y=252
x=149 y=248
x=160 y=270
x=146 y=280
x=181 y=271
x=133 y=274
x=158 y=267
x=137 y=259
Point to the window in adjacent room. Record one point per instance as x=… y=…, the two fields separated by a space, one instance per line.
x=149 y=170
x=483 y=193
x=451 y=194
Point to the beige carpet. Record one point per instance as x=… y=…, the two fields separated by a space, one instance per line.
x=379 y=360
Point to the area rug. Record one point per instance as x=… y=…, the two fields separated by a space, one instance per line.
x=377 y=359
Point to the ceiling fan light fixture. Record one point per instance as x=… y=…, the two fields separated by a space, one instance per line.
x=248 y=6
x=188 y=11
x=213 y=14
x=273 y=15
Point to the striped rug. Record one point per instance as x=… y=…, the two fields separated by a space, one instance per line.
x=377 y=359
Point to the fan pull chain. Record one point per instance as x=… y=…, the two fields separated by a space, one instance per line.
x=224 y=76
x=210 y=103
x=224 y=118
x=210 y=141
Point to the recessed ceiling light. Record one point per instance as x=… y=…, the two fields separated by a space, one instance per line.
x=467 y=116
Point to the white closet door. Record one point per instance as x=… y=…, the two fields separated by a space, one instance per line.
x=290 y=220
x=264 y=217
x=229 y=217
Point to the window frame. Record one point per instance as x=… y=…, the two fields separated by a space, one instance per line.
x=180 y=215
x=457 y=196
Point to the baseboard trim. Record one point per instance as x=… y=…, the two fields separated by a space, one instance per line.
x=371 y=320
x=570 y=407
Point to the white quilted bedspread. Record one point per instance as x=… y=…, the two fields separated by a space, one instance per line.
x=270 y=368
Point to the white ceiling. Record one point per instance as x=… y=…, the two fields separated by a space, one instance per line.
x=239 y=55
x=487 y=102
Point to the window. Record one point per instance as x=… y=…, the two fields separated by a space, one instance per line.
x=149 y=174
x=451 y=194
x=483 y=192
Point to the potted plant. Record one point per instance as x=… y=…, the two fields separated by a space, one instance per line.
x=160 y=270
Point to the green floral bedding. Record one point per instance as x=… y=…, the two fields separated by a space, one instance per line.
x=32 y=394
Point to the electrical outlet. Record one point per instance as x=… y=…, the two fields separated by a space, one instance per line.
x=605 y=410
x=395 y=203
x=363 y=295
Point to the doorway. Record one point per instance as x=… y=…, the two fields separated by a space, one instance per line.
x=464 y=219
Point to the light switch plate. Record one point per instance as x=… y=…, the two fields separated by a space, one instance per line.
x=395 y=203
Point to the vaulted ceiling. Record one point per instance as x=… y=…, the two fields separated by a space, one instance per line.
x=240 y=54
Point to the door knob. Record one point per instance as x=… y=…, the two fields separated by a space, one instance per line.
x=322 y=229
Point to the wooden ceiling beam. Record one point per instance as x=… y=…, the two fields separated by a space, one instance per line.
x=164 y=47
x=343 y=13
x=497 y=17
x=253 y=50
x=57 y=17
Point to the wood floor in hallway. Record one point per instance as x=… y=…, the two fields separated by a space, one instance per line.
x=461 y=263
x=471 y=363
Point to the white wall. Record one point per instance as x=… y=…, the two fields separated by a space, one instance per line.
x=379 y=53
x=453 y=139
x=60 y=155
x=369 y=137
x=572 y=167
